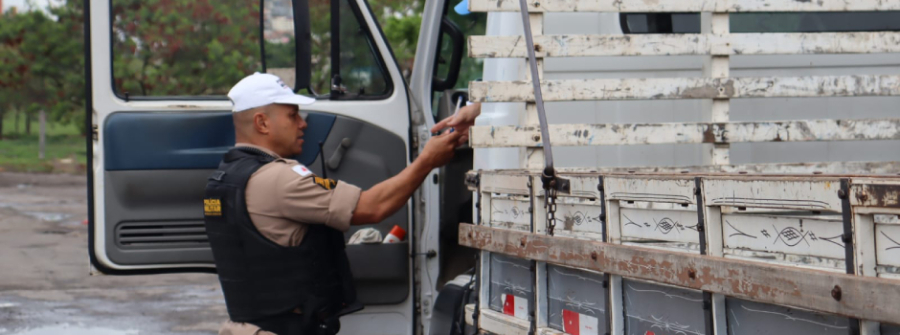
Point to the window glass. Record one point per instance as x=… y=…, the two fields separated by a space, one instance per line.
x=814 y=22
x=278 y=31
x=361 y=68
x=183 y=47
x=471 y=68
x=689 y=23
x=320 y=31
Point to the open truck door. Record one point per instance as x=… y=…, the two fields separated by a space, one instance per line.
x=153 y=148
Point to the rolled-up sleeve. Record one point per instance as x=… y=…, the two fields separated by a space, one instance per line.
x=312 y=200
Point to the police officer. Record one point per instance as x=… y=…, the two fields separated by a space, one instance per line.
x=276 y=229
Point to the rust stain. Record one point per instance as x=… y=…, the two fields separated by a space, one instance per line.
x=709 y=135
x=879 y=196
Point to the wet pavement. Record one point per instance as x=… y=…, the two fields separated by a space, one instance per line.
x=45 y=286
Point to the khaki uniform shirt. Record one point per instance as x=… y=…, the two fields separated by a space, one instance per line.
x=283 y=198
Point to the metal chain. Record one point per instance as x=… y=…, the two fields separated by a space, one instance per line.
x=550 y=205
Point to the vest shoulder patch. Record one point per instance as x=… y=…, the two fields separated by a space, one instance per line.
x=212 y=207
x=325 y=183
x=301 y=170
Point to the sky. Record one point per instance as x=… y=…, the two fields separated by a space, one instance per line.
x=22 y=5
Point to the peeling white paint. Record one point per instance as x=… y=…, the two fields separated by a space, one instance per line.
x=687 y=88
x=657 y=6
x=664 y=133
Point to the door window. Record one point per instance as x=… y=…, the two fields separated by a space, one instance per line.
x=183 y=47
x=360 y=72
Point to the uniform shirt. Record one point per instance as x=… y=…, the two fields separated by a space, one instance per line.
x=284 y=197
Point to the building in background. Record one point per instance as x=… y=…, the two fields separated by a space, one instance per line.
x=278 y=21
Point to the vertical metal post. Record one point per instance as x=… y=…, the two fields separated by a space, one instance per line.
x=605 y=236
x=701 y=229
x=847 y=238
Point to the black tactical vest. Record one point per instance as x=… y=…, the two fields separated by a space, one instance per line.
x=261 y=279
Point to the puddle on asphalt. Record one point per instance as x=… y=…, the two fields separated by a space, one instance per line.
x=69 y=330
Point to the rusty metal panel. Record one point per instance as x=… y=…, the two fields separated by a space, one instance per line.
x=658 y=6
x=887 y=244
x=686 y=44
x=815 y=237
x=660 y=225
x=576 y=294
x=651 y=309
x=511 y=286
x=811 y=194
x=668 y=189
x=861 y=297
x=687 y=88
x=875 y=193
x=752 y=318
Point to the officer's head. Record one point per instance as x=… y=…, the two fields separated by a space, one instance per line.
x=266 y=113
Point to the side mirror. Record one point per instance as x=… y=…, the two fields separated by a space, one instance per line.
x=457 y=44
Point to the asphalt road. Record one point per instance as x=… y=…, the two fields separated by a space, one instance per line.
x=45 y=286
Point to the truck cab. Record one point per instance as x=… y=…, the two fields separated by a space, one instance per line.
x=155 y=142
x=153 y=147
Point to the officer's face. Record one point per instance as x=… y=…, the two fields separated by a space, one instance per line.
x=288 y=129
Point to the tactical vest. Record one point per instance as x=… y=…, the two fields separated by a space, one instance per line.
x=261 y=279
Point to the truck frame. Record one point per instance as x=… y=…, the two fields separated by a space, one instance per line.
x=802 y=248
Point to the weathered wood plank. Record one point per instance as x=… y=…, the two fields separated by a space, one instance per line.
x=686 y=44
x=687 y=88
x=797 y=193
x=505 y=184
x=657 y=6
x=510 y=213
x=789 y=235
x=868 y=298
x=663 y=133
x=651 y=189
x=660 y=225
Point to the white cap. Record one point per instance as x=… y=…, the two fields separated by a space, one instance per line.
x=260 y=89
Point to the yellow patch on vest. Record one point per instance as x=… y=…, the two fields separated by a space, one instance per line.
x=212 y=207
x=326 y=183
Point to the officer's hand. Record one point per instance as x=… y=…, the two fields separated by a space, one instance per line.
x=461 y=121
x=439 y=149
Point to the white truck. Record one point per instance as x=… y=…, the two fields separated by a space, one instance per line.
x=678 y=210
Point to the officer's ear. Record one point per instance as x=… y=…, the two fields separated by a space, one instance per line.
x=261 y=121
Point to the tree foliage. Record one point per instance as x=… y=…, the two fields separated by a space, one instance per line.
x=42 y=62
x=183 y=47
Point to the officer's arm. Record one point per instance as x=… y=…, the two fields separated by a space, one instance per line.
x=385 y=198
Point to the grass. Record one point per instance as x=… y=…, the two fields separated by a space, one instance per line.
x=19 y=151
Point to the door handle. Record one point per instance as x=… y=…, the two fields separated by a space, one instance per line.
x=338 y=154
